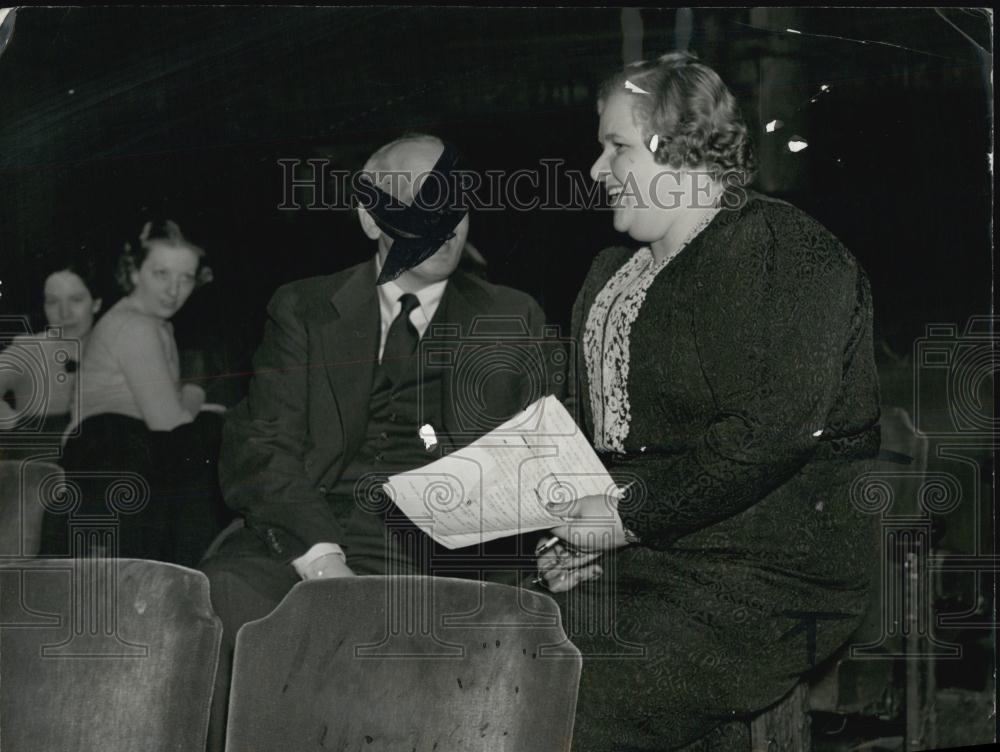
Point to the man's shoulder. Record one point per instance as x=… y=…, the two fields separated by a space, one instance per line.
x=303 y=293
x=309 y=293
x=492 y=297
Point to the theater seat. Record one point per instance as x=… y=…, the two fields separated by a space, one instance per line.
x=100 y=655
x=399 y=663
x=23 y=483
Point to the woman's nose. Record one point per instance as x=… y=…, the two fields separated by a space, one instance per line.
x=173 y=287
x=599 y=169
x=64 y=312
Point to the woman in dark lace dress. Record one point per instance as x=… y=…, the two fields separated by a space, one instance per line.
x=726 y=370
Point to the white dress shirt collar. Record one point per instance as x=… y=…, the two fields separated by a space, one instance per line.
x=429 y=298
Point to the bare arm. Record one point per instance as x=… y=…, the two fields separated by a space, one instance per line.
x=147 y=373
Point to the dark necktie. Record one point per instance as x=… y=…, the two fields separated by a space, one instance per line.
x=401 y=341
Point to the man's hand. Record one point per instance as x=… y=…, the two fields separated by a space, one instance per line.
x=325 y=567
x=592 y=523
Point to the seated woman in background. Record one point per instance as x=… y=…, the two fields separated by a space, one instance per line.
x=38 y=371
x=135 y=418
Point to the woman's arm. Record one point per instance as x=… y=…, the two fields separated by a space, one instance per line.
x=11 y=377
x=192 y=398
x=8 y=383
x=147 y=373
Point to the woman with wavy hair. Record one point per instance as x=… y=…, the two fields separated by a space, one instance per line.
x=135 y=424
x=727 y=374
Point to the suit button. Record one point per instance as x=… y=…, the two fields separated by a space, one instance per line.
x=323 y=489
x=379 y=457
x=393 y=396
x=392 y=418
x=384 y=436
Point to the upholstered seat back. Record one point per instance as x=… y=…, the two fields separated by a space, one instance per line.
x=105 y=656
x=24 y=484
x=401 y=663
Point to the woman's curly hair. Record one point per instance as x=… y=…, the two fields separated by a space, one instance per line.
x=160 y=231
x=696 y=118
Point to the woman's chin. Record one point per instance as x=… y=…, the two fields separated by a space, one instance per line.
x=67 y=331
x=621 y=220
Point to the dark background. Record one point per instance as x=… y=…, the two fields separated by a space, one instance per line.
x=111 y=115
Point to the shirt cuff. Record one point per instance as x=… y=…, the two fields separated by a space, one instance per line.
x=302 y=563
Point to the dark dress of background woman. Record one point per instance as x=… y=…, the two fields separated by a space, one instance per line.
x=754 y=404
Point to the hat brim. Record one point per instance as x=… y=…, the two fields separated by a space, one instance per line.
x=406 y=253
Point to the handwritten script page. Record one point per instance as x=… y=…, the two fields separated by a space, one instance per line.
x=499 y=485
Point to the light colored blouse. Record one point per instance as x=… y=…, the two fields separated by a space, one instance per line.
x=606 y=337
x=131 y=368
x=606 y=347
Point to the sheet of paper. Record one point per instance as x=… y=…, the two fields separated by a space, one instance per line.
x=500 y=484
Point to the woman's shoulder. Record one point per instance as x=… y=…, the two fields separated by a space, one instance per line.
x=786 y=235
x=786 y=221
x=122 y=325
x=607 y=262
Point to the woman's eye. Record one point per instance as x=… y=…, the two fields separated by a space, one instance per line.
x=159 y=273
x=618 y=146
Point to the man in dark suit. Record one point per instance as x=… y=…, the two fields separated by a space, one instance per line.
x=348 y=374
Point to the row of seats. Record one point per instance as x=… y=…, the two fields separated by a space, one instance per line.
x=150 y=666
x=119 y=655
x=26 y=487
x=150 y=682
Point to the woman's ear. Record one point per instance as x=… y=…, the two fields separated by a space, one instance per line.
x=371 y=229
x=96 y=306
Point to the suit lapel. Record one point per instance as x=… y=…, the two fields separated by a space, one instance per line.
x=459 y=308
x=350 y=344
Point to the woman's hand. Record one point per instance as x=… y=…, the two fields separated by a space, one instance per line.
x=192 y=398
x=592 y=523
x=560 y=569
x=325 y=567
